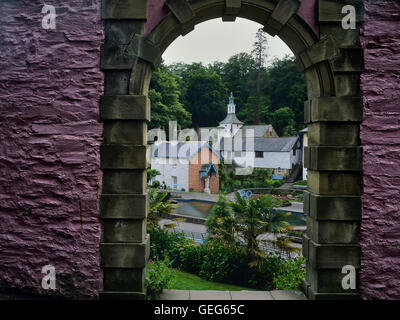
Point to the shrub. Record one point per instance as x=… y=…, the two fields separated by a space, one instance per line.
x=223 y=263
x=164 y=245
x=290 y=274
x=263 y=278
x=158 y=278
x=191 y=258
x=156 y=184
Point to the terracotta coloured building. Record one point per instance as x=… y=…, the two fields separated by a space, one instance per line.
x=189 y=166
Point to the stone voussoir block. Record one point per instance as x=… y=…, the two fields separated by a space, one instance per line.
x=333 y=256
x=124 y=255
x=125 y=107
x=124 y=9
x=124 y=206
x=149 y=52
x=281 y=14
x=124 y=156
x=232 y=9
x=325 y=49
x=333 y=158
x=336 y=109
x=181 y=10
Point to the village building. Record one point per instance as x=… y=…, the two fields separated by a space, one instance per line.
x=186 y=166
x=255 y=146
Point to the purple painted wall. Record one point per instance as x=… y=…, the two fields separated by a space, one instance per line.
x=50 y=134
x=380 y=135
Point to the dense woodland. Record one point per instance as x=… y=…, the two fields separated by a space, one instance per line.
x=197 y=95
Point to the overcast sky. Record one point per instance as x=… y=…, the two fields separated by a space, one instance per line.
x=215 y=40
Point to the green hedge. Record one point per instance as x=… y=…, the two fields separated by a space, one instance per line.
x=219 y=262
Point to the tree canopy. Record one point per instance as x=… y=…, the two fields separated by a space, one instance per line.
x=197 y=95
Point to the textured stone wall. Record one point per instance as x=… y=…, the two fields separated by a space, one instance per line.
x=50 y=134
x=380 y=135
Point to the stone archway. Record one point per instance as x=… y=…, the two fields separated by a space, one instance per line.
x=331 y=60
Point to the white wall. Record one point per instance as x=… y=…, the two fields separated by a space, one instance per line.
x=169 y=168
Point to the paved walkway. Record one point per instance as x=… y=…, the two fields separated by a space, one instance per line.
x=232 y=295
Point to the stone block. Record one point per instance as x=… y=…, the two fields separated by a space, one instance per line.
x=123 y=230
x=123 y=255
x=331 y=11
x=181 y=9
x=120 y=50
x=281 y=14
x=330 y=281
x=125 y=132
x=333 y=256
x=125 y=107
x=125 y=280
x=124 y=156
x=325 y=49
x=350 y=60
x=124 y=9
x=124 y=181
x=334 y=109
x=116 y=82
x=341 y=208
x=334 y=134
x=329 y=158
x=124 y=206
x=333 y=182
x=304 y=248
x=149 y=52
x=329 y=231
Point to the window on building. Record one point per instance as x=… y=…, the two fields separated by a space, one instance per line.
x=259 y=154
x=294 y=152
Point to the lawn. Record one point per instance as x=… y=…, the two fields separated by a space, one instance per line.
x=188 y=281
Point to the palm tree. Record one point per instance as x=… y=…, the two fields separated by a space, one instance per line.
x=220 y=223
x=159 y=209
x=254 y=217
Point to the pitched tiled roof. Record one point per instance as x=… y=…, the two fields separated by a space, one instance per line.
x=185 y=149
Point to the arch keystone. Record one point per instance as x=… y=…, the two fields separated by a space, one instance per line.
x=232 y=9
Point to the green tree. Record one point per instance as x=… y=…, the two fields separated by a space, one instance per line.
x=286 y=86
x=164 y=94
x=151 y=173
x=283 y=118
x=204 y=95
x=220 y=223
x=254 y=217
x=259 y=53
